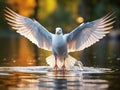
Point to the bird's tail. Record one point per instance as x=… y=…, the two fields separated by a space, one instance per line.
x=69 y=61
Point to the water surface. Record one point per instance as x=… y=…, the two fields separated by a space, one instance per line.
x=44 y=78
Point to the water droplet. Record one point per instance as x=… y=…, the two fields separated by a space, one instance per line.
x=4 y=59
x=94 y=56
x=38 y=58
x=108 y=58
x=118 y=59
x=14 y=61
x=30 y=63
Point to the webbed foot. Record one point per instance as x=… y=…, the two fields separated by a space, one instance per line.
x=63 y=67
x=56 y=67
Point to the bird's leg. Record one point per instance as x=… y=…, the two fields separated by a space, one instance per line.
x=63 y=67
x=56 y=66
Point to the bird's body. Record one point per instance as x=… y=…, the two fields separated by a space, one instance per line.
x=60 y=49
x=60 y=44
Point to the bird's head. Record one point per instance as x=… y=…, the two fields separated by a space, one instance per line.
x=58 y=31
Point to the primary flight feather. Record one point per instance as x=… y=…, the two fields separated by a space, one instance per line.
x=60 y=44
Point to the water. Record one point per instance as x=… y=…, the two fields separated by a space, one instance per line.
x=23 y=67
x=44 y=78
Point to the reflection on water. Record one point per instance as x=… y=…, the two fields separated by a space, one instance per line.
x=52 y=80
x=20 y=52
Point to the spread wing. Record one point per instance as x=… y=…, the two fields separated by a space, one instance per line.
x=89 y=33
x=29 y=28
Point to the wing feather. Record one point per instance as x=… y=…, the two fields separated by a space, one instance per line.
x=30 y=29
x=89 y=33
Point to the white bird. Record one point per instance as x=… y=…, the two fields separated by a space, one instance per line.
x=60 y=44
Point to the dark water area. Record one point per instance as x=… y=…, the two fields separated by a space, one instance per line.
x=103 y=57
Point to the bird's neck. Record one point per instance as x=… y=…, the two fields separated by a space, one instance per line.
x=60 y=34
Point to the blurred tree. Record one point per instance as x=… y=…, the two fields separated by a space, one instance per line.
x=2 y=20
x=65 y=15
x=46 y=7
x=24 y=7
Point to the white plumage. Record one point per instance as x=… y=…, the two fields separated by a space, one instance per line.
x=80 y=38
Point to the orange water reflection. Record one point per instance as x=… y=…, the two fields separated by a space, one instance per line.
x=67 y=80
